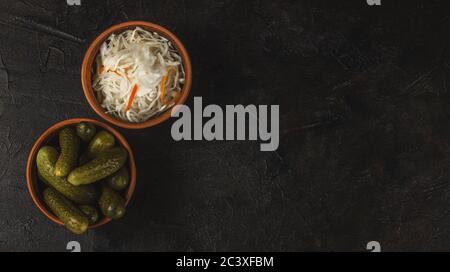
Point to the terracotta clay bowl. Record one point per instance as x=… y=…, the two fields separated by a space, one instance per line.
x=88 y=62
x=35 y=186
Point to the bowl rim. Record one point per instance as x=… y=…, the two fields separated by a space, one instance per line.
x=91 y=52
x=44 y=137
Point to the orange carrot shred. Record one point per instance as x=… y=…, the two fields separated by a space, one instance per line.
x=132 y=95
x=100 y=69
x=174 y=98
x=118 y=73
x=163 y=83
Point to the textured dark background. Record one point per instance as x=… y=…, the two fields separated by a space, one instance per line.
x=364 y=125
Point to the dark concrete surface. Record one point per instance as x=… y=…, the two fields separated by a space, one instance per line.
x=364 y=125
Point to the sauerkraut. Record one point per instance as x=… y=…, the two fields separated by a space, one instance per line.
x=138 y=74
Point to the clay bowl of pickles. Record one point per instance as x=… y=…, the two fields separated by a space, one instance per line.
x=81 y=174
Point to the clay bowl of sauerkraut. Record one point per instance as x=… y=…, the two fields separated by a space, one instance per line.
x=134 y=73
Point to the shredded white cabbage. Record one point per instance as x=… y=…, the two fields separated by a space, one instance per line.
x=142 y=58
